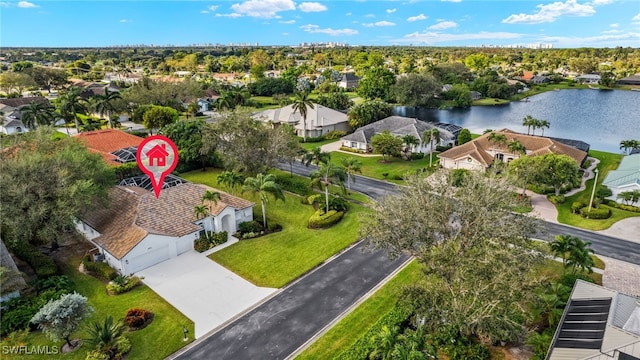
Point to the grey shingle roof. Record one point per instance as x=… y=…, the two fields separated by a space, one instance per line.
x=397 y=125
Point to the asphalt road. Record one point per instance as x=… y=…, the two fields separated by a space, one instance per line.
x=604 y=245
x=281 y=325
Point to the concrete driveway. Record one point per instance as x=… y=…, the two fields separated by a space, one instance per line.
x=203 y=290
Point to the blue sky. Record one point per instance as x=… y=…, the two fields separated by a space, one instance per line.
x=563 y=23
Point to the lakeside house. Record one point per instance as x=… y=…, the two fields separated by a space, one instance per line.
x=320 y=119
x=630 y=80
x=625 y=178
x=137 y=230
x=400 y=126
x=480 y=153
x=598 y=324
x=592 y=79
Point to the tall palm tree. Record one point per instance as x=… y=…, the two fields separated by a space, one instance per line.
x=560 y=247
x=71 y=104
x=409 y=141
x=432 y=135
x=580 y=256
x=351 y=167
x=629 y=145
x=316 y=156
x=230 y=179
x=301 y=104
x=542 y=124
x=263 y=185
x=516 y=147
x=36 y=114
x=104 y=103
x=211 y=199
x=528 y=121
x=326 y=175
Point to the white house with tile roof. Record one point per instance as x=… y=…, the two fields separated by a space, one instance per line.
x=320 y=120
x=137 y=230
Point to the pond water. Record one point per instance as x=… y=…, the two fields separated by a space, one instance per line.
x=599 y=117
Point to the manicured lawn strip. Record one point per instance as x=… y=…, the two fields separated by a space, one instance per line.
x=333 y=189
x=158 y=340
x=357 y=323
x=311 y=145
x=276 y=259
x=372 y=167
x=608 y=162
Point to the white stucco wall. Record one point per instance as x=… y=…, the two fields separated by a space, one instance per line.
x=154 y=249
x=463 y=163
x=13 y=130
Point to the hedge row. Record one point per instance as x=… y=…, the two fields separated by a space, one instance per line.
x=43 y=265
x=363 y=346
x=101 y=269
x=617 y=205
x=320 y=220
x=595 y=213
x=205 y=243
x=296 y=185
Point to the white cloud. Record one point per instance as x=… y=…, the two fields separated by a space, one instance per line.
x=287 y=22
x=126 y=21
x=263 y=8
x=370 y=16
x=551 y=12
x=636 y=18
x=607 y=40
x=612 y=31
x=204 y=12
x=379 y=23
x=417 y=18
x=213 y=7
x=455 y=1
x=601 y=2
x=432 y=37
x=443 y=25
x=348 y=14
x=311 y=7
x=315 y=29
x=391 y=11
x=26 y=5
x=285 y=34
x=614 y=25
x=231 y=15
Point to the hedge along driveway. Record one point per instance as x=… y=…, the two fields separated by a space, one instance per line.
x=277 y=259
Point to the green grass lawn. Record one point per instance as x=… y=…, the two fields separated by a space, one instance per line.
x=373 y=167
x=608 y=162
x=158 y=340
x=311 y=145
x=489 y=102
x=358 y=322
x=276 y=259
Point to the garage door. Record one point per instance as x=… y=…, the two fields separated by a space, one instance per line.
x=149 y=259
x=185 y=245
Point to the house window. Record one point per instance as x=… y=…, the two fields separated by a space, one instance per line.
x=500 y=156
x=354 y=144
x=202 y=233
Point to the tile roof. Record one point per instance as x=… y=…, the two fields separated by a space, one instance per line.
x=134 y=213
x=18 y=102
x=397 y=125
x=535 y=145
x=107 y=141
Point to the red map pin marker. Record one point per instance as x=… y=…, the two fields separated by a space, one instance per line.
x=157 y=157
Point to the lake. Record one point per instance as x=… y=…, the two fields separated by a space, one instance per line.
x=599 y=117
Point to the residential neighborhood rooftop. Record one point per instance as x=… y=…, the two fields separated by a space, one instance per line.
x=107 y=141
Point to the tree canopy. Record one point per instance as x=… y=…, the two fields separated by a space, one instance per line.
x=416 y=90
x=386 y=144
x=367 y=112
x=157 y=117
x=377 y=83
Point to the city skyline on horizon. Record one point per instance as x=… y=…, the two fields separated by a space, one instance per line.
x=441 y=23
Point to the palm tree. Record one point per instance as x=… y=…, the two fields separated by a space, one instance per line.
x=301 y=103
x=516 y=147
x=528 y=121
x=580 y=256
x=201 y=211
x=326 y=175
x=36 y=114
x=351 y=167
x=497 y=138
x=70 y=104
x=432 y=135
x=628 y=145
x=316 y=156
x=211 y=198
x=104 y=103
x=106 y=336
x=560 y=247
x=542 y=124
x=409 y=141
x=263 y=185
x=230 y=179
x=385 y=342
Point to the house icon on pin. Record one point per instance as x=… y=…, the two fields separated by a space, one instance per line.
x=158 y=154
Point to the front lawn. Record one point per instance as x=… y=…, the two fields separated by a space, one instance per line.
x=276 y=259
x=158 y=340
x=312 y=145
x=395 y=167
x=608 y=162
x=489 y=102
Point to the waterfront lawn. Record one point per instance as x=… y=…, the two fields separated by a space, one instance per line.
x=608 y=162
x=157 y=341
x=359 y=321
x=489 y=102
x=276 y=259
x=372 y=166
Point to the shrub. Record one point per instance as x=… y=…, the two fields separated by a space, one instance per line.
x=576 y=206
x=556 y=199
x=122 y=284
x=41 y=264
x=595 y=213
x=312 y=139
x=205 y=243
x=275 y=227
x=101 y=269
x=440 y=148
x=249 y=226
x=396 y=177
x=352 y=150
x=570 y=279
x=628 y=207
x=312 y=199
x=335 y=134
x=96 y=355
x=18 y=312
x=137 y=318
x=417 y=156
x=320 y=220
x=336 y=203
x=296 y=185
